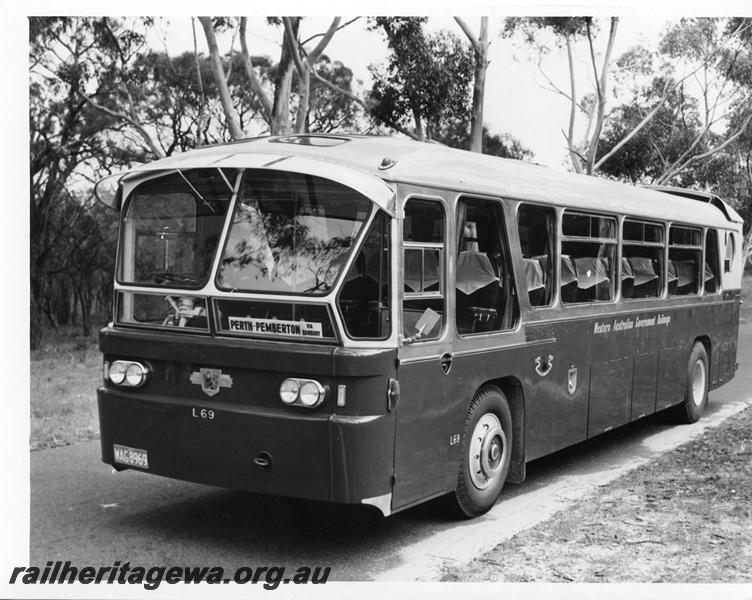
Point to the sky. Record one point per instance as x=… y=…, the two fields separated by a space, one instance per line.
x=515 y=101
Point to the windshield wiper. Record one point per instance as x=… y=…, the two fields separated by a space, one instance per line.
x=197 y=192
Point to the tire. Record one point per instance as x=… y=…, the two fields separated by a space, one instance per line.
x=696 y=396
x=485 y=453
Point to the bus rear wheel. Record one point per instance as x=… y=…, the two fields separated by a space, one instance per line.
x=486 y=452
x=696 y=396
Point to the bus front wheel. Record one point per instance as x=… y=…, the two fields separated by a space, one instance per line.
x=486 y=452
x=696 y=397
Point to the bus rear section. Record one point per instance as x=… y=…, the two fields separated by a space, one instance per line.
x=225 y=363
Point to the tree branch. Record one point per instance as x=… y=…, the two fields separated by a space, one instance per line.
x=129 y=119
x=256 y=87
x=675 y=170
x=314 y=55
x=231 y=115
x=470 y=35
x=362 y=103
x=318 y=35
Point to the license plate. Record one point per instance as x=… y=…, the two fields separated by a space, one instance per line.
x=133 y=457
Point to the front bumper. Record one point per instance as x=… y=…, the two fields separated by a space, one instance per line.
x=314 y=456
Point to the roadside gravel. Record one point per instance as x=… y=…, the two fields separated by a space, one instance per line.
x=685 y=517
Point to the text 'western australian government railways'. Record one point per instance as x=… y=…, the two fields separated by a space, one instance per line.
x=630 y=323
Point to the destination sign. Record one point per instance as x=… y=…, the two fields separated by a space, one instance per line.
x=275 y=327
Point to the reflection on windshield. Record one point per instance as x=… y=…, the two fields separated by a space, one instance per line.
x=290 y=233
x=172 y=226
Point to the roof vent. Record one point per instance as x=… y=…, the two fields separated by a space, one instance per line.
x=321 y=141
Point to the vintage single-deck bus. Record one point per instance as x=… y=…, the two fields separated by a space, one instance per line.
x=368 y=320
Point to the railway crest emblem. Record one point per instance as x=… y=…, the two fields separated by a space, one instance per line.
x=211 y=380
x=572 y=380
x=543 y=365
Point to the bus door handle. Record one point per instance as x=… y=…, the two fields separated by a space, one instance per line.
x=446 y=362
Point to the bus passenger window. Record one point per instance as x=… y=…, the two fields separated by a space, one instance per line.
x=537 y=229
x=642 y=259
x=712 y=264
x=588 y=257
x=728 y=262
x=364 y=299
x=484 y=286
x=423 y=270
x=684 y=260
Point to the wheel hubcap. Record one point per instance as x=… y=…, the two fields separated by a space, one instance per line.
x=698 y=383
x=487 y=452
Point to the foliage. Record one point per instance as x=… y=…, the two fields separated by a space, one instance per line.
x=426 y=79
x=567 y=31
x=561 y=27
x=503 y=145
x=696 y=131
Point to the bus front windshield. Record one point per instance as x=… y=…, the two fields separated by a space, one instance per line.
x=171 y=228
x=290 y=233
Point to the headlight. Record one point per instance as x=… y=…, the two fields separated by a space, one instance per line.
x=127 y=373
x=135 y=375
x=117 y=372
x=302 y=392
x=288 y=391
x=311 y=393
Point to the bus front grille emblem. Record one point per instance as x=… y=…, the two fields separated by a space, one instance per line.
x=572 y=381
x=211 y=380
x=543 y=365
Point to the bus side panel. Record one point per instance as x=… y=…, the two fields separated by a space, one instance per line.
x=610 y=395
x=555 y=416
x=421 y=437
x=644 y=385
x=672 y=377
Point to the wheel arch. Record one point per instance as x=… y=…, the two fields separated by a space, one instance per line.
x=705 y=341
x=511 y=387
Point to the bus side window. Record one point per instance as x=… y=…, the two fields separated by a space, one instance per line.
x=537 y=230
x=364 y=299
x=588 y=257
x=423 y=310
x=712 y=266
x=642 y=260
x=484 y=286
x=684 y=260
x=728 y=262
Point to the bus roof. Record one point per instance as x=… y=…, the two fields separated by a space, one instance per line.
x=435 y=165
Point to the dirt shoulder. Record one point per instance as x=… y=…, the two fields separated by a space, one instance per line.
x=684 y=517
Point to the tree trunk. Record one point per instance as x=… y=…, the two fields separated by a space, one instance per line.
x=231 y=115
x=480 y=53
x=481 y=64
x=280 y=123
x=602 y=89
x=419 y=133
x=304 y=95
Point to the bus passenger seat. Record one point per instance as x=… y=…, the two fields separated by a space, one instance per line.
x=591 y=272
x=477 y=285
x=568 y=279
x=645 y=277
x=710 y=283
x=535 y=280
x=685 y=276
x=627 y=278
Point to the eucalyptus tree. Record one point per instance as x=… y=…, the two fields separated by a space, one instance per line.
x=568 y=32
x=480 y=45
x=424 y=86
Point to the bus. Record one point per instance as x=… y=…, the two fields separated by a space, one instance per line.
x=368 y=320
